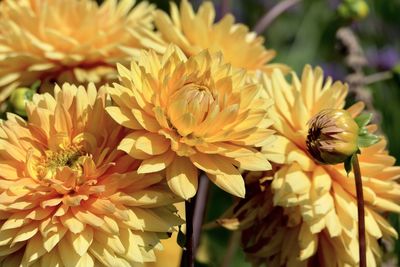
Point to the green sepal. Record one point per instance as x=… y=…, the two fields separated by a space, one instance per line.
x=35 y=86
x=368 y=139
x=365 y=138
x=348 y=164
x=181 y=238
x=363 y=120
x=29 y=95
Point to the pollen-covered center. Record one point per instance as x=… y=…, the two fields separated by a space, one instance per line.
x=189 y=107
x=64 y=158
x=71 y=156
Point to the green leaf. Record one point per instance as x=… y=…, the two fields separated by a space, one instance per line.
x=367 y=140
x=35 y=86
x=181 y=238
x=348 y=164
x=363 y=120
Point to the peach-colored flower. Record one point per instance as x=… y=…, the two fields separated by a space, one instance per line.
x=194 y=32
x=308 y=215
x=68 y=197
x=190 y=114
x=69 y=41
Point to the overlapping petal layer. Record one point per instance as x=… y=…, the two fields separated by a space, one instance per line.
x=68 y=197
x=194 y=32
x=69 y=41
x=312 y=207
x=189 y=114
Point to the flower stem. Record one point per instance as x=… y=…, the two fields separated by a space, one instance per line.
x=188 y=255
x=231 y=249
x=361 y=216
x=225 y=7
x=377 y=77
x=194 y=209
x=198 y=216
x=269 y=17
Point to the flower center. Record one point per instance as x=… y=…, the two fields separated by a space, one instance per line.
x=189 y=106
x=68 y=157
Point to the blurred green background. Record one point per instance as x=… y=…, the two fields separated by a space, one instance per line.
x=306 y=34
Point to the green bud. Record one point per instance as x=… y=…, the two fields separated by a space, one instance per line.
x=353 y=9
x=333 y=136
x=18 y=99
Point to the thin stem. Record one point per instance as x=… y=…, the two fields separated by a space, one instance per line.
x=377 y=77
x=210 y=225
x=199 y=209
x=231 y=249
x=361 y=216
x=194 y=209
x=188 y=255
x=225 y=7
x=270 y=16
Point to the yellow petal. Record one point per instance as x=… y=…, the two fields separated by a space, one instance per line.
x=147 y=142
x=52 y=239
x=182 y=177
x=81 y=241
x=308 y=242
x=220 y=171
x=67 y=253
x=156 y=163
x=124 y=117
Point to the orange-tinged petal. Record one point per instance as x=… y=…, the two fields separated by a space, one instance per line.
x=73 y=184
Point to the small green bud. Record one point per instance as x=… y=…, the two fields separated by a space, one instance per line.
x=333 y=136
x=18 y=99
x=353 y=9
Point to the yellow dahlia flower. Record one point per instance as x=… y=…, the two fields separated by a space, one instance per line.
x=309 y=211
x=190 y=114
x=195 y=32
x=68 y=197
x=68 y=41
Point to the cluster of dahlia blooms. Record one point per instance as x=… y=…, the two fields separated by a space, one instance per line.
x=304 y=213
x=134 y=105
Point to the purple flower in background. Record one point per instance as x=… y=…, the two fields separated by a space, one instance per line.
x=383 y=59
x=333 y=4
x=336 y=71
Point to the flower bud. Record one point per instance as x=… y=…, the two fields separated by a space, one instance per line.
x=353 y=9
x=18 y=99
x=333 y=136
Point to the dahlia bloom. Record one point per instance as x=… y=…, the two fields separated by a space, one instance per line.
x=308 y=210
x=68 y=41
x=68 y=197
x=186 y=114
x=195 y=32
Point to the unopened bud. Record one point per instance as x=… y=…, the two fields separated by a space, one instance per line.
x=18 y=99
x=332 y=136
x=353 y=9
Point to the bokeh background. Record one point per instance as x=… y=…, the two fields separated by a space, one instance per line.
x=307 y=33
